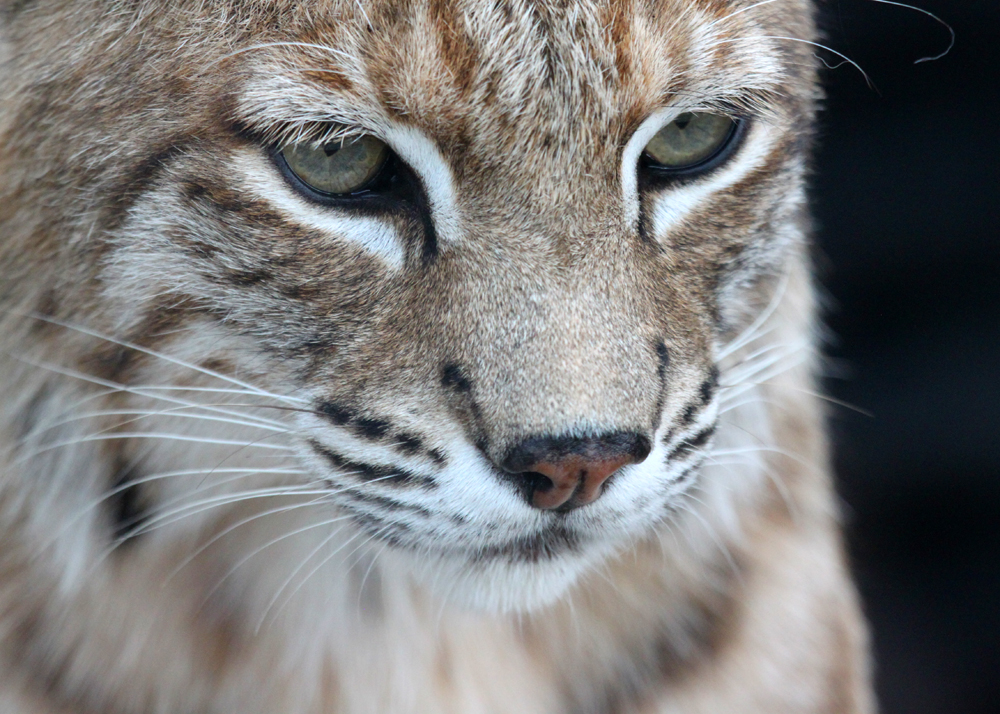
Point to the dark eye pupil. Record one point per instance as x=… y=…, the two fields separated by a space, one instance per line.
x=331 y=149
x=683 y=120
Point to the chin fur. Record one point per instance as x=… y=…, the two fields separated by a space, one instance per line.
x=502 y=585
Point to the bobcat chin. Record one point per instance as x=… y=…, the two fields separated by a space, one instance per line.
x=431 y=356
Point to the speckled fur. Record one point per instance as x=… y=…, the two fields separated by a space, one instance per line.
x=248 y=444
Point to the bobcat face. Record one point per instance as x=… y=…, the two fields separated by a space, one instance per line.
x=503 y=352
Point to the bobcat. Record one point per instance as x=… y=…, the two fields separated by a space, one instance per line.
x=413 y=356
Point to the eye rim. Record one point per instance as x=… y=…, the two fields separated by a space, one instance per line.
x=727 y=148
x=385 y=182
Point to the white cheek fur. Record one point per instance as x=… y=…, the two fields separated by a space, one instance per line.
x=377 y=237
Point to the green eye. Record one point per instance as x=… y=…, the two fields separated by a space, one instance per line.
x=337 y=168
x=690 y=140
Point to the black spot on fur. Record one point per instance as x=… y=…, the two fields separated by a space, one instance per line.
x=248 y=278
x=371 y=428
x=336 y=413
x=689 y=414
x=452 y=377
x=408 y=443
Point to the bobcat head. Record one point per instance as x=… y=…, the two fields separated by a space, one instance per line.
x=466 y=272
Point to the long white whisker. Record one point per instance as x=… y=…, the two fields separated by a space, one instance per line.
x=115 y=387
x=111 y=493
x=159 y=355
x=934 y=17
x=318 y=501
x=822 y=47
x=151 y=435
x=245 y=559
x=748 y=333
x=723 y=548
x=164 y=518
x=298 y=569
x=139 y=415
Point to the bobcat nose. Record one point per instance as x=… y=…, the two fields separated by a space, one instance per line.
x=566 y=473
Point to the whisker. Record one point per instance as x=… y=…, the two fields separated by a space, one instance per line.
x=723 y=548
x=152 y=435
x=114 y=387
x=928 y=13
x=821 y=46
x=245 y=559
x=748 y=333
x=159 y=355
x=227 y=499
x=371 y=565
x=318 y=501
x=203 y=506
x=111 y=493
x=322 y=544
x=139 y=415
x=769 y=371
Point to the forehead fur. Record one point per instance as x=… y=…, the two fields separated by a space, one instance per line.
x=512 y=75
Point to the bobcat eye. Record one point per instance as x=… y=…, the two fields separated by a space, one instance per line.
x=691 y=141
x=337 y=168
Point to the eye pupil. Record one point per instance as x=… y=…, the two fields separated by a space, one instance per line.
x=683 y=120
x=331 y=149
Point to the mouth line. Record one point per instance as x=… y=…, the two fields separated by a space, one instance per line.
x=552 y=541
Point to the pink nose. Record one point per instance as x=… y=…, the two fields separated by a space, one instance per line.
x=574 y=477
x=568 y=472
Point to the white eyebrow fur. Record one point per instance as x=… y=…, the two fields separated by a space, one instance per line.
x=423 y=156
x=673 y=205
x=377 y=237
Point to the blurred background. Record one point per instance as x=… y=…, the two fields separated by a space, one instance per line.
x=907 y=200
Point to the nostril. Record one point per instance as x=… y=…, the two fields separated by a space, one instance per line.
x=531 y=482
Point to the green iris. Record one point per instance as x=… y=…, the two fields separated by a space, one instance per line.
x=338 y=168
x=689 y=140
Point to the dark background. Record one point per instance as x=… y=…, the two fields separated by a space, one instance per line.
x=907 y=200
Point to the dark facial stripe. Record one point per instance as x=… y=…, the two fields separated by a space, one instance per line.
x=663 y=356
x=709 y=386
x=371 y=428
x=689 y=445
x=381 y=430
x=385 y=503
x=141 y=176
x=389 y=475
